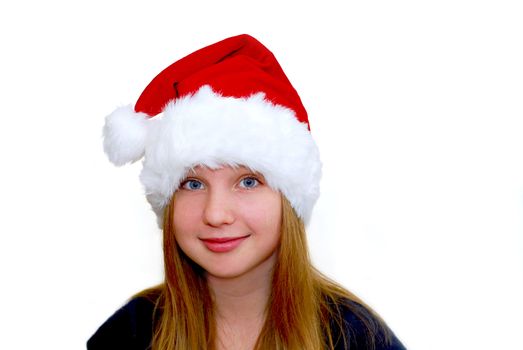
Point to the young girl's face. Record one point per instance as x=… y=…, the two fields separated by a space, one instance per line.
x=228 y=221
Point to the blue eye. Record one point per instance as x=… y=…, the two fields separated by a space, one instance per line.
x=249 y=182
x=192 y=185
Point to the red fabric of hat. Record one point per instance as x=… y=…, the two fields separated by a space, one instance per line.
x=237 y=67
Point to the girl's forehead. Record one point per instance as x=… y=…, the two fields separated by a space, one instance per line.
x=203 y=170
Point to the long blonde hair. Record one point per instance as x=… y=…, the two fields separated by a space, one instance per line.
x=303 y=306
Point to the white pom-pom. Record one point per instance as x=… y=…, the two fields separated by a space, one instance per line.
x=124 y=135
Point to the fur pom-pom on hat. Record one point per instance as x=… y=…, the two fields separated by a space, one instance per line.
x=124 y=135
x=229 y=103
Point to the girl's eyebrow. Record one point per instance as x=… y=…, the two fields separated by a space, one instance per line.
x=251 y=172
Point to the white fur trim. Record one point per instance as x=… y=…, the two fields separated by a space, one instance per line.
x=124 y=135
x=209 y=129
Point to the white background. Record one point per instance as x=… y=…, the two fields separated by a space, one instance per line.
x=416 y=107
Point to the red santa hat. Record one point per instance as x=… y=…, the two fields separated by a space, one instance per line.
x=229 y=103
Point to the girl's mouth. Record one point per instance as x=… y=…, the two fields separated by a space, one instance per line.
x=223 y=244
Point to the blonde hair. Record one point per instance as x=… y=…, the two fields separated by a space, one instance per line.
x=303 y=306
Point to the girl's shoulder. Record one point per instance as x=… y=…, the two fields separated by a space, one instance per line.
x=354 y=326
x=130 y=327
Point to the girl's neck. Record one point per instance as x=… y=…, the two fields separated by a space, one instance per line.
x=244 y=297
x=240 y=306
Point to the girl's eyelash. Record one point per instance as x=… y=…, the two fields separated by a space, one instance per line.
x=252 y=176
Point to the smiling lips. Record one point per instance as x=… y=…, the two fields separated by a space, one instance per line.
x=224 y=244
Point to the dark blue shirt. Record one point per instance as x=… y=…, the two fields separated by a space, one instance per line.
x=131 y=328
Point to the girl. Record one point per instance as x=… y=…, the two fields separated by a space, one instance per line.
x=232 y=172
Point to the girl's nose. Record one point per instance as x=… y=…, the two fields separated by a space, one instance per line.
x=219 y=209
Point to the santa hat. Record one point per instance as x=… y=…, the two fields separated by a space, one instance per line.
x=229 y=103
